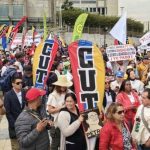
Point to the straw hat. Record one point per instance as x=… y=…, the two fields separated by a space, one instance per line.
x=63 y=81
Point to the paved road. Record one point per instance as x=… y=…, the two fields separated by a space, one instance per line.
x=5 y=142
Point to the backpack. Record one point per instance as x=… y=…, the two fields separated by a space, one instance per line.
x=5 y=80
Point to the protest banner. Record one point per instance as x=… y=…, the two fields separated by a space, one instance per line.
x=144 y=40
x=42 y=62
x=15 y=31
x=92 y=123
x=88 y=74
x=120 y=52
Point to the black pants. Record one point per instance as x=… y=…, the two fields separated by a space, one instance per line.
x=12 y=133
x=55 y=135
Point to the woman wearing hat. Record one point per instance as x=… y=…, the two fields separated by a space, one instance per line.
x=55 y=104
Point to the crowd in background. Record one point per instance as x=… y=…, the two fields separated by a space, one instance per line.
x=33 y=113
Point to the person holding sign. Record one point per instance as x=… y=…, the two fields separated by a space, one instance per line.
x=69 y=122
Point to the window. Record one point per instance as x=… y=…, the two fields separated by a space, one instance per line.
x=103 y=11
x=94 y=9
x=99 y=10
x=17 y=11
x=4 y=10
x=90 y=9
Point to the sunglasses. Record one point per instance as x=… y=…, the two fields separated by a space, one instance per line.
x=107 y=83
x=120 y=112
x=19 y=83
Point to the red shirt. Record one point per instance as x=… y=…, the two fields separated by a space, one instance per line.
x=110 y=137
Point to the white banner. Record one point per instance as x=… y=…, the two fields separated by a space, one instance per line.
x=145 y=39
x=28 y=41
x=120 y=52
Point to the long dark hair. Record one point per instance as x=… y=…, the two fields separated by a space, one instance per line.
x=122 y=87
x=128 y=73
x=72 y=95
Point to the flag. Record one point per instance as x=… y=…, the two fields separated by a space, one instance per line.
x=45 y=26
x=15 y=30
x=78 y=27
x=88 y=74
x=23 y=37
x=9 y=31
x=3 y=30
x=4 y=42
x=119 y=31
x=42 y=62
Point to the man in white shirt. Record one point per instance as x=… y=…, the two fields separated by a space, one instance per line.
x=14 y=102
x=140 y=132
x=115 y=85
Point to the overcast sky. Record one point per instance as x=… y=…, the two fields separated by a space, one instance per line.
x=137 y=9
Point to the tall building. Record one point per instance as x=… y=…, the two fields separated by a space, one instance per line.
x=11 y=11
x=103 y=7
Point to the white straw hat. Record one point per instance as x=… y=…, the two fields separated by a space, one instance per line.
x=63 y=81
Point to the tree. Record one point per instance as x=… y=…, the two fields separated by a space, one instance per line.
x=67 y=5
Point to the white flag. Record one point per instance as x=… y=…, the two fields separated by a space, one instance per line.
x=119 y=31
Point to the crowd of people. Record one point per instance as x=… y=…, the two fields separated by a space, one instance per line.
x=49 y=119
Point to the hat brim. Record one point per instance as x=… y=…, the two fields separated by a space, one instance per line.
x=42 y=92
x=68 y=84
x=119 y=76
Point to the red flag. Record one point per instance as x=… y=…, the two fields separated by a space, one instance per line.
x=15 y=30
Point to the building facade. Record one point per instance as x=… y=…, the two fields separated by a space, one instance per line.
x=11 y=11
x=103 y=7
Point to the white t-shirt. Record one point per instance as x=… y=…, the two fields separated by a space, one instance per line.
x=131 y=98
x=56 y=100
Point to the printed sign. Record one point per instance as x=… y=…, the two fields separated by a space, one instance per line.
x=88 y=74
x=92 y=123
x=145 y=39
x=120 y=52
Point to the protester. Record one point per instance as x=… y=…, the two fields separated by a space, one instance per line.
x=5 y=66
x=137 y=85
x=71 y=129
x=143 y=69
x=14 y=102
x=19 y=61
x=130 y=101
x=109 y=95
x=119 y=66
x=140 y=132
x=2 y=109
x=31 y=124
x=133 y=65
x=58 y=68
x=54 y=104
x=5 y=81
x=115 y=85
x=115 y=134
x=27 y=77
x=51 y=79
